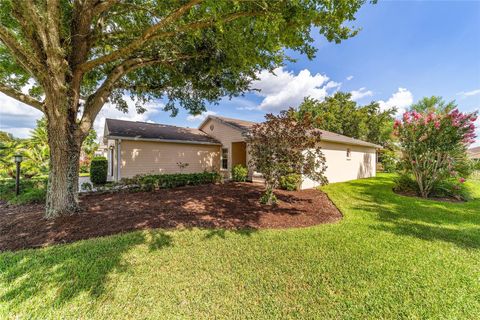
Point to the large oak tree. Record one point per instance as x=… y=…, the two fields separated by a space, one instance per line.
x=80 y=54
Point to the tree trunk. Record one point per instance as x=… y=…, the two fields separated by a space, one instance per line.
x=62 y=192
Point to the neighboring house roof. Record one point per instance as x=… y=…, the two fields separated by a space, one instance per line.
x=133 y=130
x=244 y=126
x=474 y=153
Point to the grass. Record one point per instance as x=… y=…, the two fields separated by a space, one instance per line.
x=390 y=257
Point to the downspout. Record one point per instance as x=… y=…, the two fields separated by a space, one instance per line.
x=119 y=158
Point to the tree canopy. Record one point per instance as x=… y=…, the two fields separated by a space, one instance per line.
x=75 y=55
x=339 y=114
x=184 y=51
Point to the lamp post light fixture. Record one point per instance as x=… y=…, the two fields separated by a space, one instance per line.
x=18 y=160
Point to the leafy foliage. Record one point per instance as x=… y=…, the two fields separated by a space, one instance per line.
x=283 y=145
x=341 y=115
x=290 y=182
x=434 y=145
x=99 y=170
x=239 y=173
x=153 y=182
x=447 y=188
x=389 y=160
x=36 y=152
x=31 y=190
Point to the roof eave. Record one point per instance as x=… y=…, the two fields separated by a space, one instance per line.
x=366 y=144
x=163 y=140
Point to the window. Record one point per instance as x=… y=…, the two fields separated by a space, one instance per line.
x=224 y=158
x=349 y=153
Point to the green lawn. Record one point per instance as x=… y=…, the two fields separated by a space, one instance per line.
x=391 y=257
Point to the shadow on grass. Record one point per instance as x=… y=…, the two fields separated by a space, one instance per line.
x=456 y=223
x=220 y=233
x=74 y=269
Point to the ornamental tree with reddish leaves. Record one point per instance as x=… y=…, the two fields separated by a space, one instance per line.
x=284 y=145
x=434 y=144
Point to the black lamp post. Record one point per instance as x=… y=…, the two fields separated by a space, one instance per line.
x=18 y=160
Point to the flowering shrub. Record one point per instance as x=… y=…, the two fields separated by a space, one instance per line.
x=434 y=146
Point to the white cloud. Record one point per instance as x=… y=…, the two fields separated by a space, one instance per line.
x=469 y=93
x=349 y=78
x=200 y=117
x=400 y=99
x=17 y=118
x=361 y=93
x=284 y=89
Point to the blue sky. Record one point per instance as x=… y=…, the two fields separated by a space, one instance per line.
x=405 y=50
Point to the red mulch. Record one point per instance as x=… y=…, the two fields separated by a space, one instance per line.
x=229 y=206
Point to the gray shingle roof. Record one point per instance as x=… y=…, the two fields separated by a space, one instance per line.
x=155 y=131
x=241 y=125
x=244 y=126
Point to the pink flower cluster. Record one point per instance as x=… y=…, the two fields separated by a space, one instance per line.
x=455 y=118
x=464 y=121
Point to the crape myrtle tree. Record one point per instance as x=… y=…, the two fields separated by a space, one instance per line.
x=283 y=145
x=76 y=55
x=434 y=142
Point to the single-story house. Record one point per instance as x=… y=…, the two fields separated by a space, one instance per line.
x=474 y=153
x=217 y=144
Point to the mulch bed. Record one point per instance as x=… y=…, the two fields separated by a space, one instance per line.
x=228 y=206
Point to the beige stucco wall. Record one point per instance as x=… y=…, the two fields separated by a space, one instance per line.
x=225 y=135
x=361 y=163
x=146 y=157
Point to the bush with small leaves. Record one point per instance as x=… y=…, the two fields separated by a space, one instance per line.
x=290 y=182
x=86 y=186
x=153 y=182
x=98 y=170
x=239 y=173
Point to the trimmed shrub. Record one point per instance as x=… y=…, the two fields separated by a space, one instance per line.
x=98 y=170
x=153 y=182
x=290 y=182
x=239 y=173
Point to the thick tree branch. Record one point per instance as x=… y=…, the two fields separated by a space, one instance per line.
x=29 y=63
x=17 y=95
x=208 y=23
x=96 y=101
x=102 y=6
x=137 y=43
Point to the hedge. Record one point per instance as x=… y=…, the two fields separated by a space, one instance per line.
x=161 y=181
x=98 y=170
